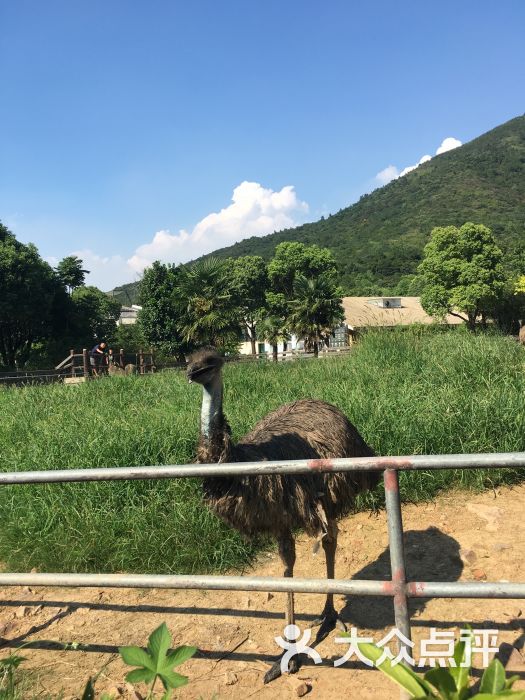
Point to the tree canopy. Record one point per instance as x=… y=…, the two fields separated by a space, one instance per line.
x=157 y=317
x=39 y=320
x=249 y=281
x=205 y=305
x=95 y=315
x=293 y=259
x=71 y=272
x=28 y=287
x=461 y=273
x=211 y=301
x=316 y=310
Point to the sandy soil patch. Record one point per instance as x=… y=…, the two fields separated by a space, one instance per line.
x=459 y=536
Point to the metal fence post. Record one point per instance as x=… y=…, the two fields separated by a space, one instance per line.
x=397 y=559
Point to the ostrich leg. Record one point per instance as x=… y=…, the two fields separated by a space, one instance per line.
x=287 y=554
x=286 y=544
x=329 y=617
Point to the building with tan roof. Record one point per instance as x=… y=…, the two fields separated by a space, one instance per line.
x=365 y=312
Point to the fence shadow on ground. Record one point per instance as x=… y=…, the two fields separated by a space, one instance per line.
x=430 y=555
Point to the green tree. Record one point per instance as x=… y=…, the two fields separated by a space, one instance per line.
x=158 y=317
x=292 y=259
x=28 y=291
x=95 y=315
x=71 y=273
x=129 y=337
x=204 y=302
x=5 y=234
x=316 y=310
x=461 y=273
x=271 y=329
x=249 y=282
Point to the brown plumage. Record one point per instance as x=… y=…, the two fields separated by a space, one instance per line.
x=306 y=429
x=114 y=370
x=278 y=504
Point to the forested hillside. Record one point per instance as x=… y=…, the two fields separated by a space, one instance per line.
x=380 y=239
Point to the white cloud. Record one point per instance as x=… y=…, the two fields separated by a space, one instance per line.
x=448 y=144
x=387 y=174
x=391 y=172
x=105 y=272
x=254 y=211
x=409 y=168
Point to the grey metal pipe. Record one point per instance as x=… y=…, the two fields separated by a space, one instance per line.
x=513 y=460
x=221 y=583
x=397 y=554
x=417 y=589
x=466 y=589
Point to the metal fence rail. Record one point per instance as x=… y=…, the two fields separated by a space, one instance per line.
x=398 y=588
x=514 y=460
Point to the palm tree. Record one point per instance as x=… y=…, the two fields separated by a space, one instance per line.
x=203 y=300
x=271 y=329
x=315 y=310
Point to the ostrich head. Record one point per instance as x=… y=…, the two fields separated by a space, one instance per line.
x=204 y=366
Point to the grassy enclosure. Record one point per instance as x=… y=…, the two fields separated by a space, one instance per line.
x=408 y=392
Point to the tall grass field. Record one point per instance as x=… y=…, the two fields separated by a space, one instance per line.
x=408 y=392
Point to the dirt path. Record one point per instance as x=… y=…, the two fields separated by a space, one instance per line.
x=461 y=536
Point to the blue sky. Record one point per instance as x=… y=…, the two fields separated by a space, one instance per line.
x=128 y=127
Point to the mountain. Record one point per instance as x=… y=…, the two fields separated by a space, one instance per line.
x=379 y=239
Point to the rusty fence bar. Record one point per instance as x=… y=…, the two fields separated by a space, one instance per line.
x=513 y=460
x=413 y=589
x=397 y=555
x=398 y=588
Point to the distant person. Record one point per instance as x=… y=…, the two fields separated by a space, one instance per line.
x=98 y=356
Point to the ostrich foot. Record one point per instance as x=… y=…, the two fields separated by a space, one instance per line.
x=328 y=621
x=275 y=671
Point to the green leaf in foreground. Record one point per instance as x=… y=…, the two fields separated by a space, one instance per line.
x=461 y=672
x=89 y=690
x=443 y=682
x=493 y=679
x=401 y=674
x=157 y=661
x=11 y=662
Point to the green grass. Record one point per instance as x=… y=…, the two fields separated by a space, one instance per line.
x=412 y=392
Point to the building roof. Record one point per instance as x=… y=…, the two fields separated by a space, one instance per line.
x=362 y=311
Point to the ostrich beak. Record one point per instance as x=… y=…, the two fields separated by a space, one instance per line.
x=194 y=372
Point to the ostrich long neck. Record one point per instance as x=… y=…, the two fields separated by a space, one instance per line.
x=211 y=410
x=214 y=443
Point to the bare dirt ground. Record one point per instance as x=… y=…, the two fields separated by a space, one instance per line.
x=460 y=536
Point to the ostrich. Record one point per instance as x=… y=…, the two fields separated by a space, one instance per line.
x=278 y=504
x=114 y=370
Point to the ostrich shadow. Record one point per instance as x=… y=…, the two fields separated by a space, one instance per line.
x=430 y=555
